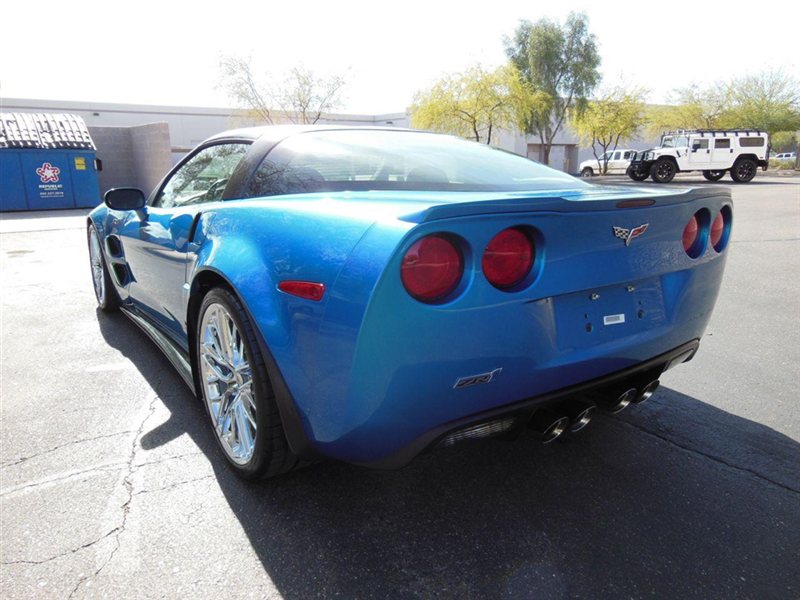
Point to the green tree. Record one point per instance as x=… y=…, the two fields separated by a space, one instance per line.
x=769 y=101
x=562 y=63
x=301 y=95
x=618 y=113
x=784 y=141
x=473 y=104
x=692 y=107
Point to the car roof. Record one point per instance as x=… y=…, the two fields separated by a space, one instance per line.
x=281 y=132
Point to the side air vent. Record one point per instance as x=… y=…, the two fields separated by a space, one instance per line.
x=114 y=246
x=121 y=274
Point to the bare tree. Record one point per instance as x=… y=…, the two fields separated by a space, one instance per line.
x=236 y=76
x=301 y=96
x=304 y=97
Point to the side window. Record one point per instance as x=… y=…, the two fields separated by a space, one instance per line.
x=629 y=155
x=701 y=144
x=751 y=142
x=203 y=178
x=722 y=143
x=616 y=155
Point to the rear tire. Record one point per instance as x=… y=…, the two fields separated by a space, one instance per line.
x=587 y=172
x=236 y=390
x=713 y=175
x=104 y=291
x=663 y=170
x=743 y=170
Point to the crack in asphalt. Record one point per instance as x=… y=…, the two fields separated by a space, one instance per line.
x=64 y=445
x=62 y=554
x=61 y=477
x=128 y=486
x=166 y=459
x=711 y=457
x=174 y=485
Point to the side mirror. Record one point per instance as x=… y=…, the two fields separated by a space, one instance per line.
x=125 y=199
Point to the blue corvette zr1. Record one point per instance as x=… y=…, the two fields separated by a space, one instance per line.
x=365 y=294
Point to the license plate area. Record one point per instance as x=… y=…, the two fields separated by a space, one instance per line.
x=609 y=313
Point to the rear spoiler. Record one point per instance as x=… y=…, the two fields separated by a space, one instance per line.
x=596 y=198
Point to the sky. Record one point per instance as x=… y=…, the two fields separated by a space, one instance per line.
x=168 y=52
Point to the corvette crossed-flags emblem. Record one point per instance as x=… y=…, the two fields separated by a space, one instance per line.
x=627 y=235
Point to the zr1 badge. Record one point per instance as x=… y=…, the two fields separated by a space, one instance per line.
x=476 y=379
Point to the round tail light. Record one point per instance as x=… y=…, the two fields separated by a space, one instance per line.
x=432 y=268
x=720 y=229
x=508 y=258
x=691 y=237
x=717 y=229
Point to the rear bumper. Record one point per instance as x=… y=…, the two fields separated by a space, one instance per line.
x=523 y=411
x=385 y=376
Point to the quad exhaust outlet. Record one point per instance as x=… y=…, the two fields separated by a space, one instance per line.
x=548 y=424
x=579 y=413
x=647 y=391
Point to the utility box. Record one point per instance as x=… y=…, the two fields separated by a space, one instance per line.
x=47 y=161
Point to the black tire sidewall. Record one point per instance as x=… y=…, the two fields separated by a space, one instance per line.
x=587 y=172
x=734 y=171
x=111 y=301
x=660 y=163
x=262 y=389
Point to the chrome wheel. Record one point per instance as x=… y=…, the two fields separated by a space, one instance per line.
x=227 y=380
x=96 y=261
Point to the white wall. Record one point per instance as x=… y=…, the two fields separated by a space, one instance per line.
x=188 y=126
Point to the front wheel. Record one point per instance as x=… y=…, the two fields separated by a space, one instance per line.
x=587 y=172
x=104 y=290
x=663 y=170
x=236 y=390
x=636 y=174
x=713 y=175
x=744 y=170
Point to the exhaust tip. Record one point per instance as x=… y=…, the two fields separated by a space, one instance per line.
x=555 y=430
x=647 y=391
x=621 y=402
x=549 y=426
x=582 y=418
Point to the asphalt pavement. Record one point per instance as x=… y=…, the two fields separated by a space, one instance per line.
x=111 y=484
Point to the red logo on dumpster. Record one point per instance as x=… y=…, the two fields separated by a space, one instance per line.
x=48 y=173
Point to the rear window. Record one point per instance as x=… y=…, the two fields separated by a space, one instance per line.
x=354 y=160
x=750 y=142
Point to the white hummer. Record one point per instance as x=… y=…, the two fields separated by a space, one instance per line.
x=714 y=152
x=618 y=162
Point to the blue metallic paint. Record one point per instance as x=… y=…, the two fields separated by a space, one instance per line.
x=369 y=368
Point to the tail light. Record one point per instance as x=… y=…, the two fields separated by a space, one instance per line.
x=432 y=268
x=691 y=236
x=508 y=258
x=717 y=229
x=720 y=229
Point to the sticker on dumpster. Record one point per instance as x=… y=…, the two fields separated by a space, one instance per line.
x=80 y=163
x=48 y=173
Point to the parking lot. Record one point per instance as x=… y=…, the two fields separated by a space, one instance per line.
x=111 y=483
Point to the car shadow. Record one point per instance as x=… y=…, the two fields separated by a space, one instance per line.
x=674 y=498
